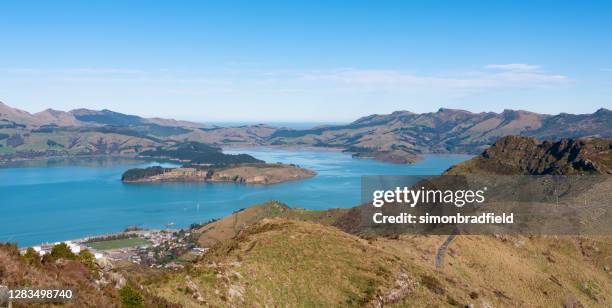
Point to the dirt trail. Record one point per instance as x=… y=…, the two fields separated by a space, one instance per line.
x=442 y=251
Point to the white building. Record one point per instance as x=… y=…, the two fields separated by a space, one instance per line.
x=74 y=247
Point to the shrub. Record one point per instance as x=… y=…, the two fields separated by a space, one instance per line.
x=131 y=298
x=31 y=256
x=47 y=259
x=88 y=259
x=62 y=251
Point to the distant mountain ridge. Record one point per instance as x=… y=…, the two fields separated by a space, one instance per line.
x=398 y=137
x=83 y=117
x=446 y=131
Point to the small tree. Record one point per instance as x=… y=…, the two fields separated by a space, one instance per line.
x=131 y=298
x=31 y=256
x=88 y=259
x=62 y=251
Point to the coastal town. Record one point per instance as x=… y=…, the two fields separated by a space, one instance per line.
x=157 y=248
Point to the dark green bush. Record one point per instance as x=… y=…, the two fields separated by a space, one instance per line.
x=62 y=251
x=131 y=298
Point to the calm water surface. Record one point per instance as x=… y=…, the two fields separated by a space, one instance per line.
x=58 y=201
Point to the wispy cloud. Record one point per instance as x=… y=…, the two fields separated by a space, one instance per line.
x=509 y=76
x=73 y=71
x=515 y=67
x=103 y=71
x=492 y=77
x=254 y=91
x=113 y=75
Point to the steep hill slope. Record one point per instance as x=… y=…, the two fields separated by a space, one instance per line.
x=446 y=130
x=254 y=255
x=402 y=135
x=15 y=271
x=598 y=124
x=57 y=117
x=291 y=262
x=84 y=117
x=525 y=155
x=14 y=115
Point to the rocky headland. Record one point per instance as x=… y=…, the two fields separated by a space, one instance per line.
x=526 y=155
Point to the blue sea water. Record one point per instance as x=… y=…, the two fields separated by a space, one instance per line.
x=66 y=200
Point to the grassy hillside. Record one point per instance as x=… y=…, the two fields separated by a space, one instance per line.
x=230 y=226
x=270 y=255
x=16 y=270
x=289 y=262
x=198 y=153
x=282 y=262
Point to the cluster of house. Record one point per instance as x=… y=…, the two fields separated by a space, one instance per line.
x=74 y=247
x=158 y=237
x=161 y=243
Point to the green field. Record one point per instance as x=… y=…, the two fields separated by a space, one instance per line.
x=121 y=243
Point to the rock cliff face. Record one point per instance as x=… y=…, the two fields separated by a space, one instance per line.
x=526 y=155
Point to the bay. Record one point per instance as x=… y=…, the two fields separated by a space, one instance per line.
x=59 y=200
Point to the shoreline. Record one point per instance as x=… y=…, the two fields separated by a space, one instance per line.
x=283 y=147
x=246 y=147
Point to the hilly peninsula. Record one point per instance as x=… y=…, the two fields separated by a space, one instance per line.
x=399 y=137
x=243 y=173
x=205 y=163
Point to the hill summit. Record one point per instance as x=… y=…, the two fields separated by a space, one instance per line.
x=526 y=155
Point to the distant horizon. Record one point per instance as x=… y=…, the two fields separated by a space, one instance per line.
x=290 y=124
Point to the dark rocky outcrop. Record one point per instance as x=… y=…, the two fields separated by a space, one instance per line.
x=526 y=155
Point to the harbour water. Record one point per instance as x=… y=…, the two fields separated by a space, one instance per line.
x=53 y=201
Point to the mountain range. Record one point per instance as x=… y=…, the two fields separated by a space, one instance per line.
x=82 y=117
x=398 y=137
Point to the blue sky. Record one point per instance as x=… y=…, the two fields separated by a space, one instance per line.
x=305 y=61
